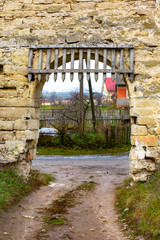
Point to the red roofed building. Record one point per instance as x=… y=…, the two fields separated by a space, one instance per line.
x=116 y=90
x=110 y=86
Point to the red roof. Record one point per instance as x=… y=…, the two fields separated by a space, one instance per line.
x=110 y=86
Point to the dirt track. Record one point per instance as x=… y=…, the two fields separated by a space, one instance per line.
x=93 y=218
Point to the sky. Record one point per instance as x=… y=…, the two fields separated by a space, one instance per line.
x=68 y=86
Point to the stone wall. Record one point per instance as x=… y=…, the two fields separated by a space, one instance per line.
x=25 y=22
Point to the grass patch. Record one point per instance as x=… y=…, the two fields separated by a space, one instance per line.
x=13 y=187
x=139 y=205
x=42 y=107
x=71 y=151
x=56 y=222
x=55 y=214
x=87 y=185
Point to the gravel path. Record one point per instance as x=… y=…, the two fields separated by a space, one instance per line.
x=93 y=218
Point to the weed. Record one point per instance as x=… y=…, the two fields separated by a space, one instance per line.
x=87 y=185
x=56 y=211
x=13 y=187
x=56 y=222
x=142 y=202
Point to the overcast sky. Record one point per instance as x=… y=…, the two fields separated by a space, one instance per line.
x=68 y=86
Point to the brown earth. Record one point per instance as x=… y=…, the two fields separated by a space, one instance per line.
x=93 y=217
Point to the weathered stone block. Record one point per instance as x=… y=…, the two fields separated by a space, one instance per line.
x=33 y=124
x=144 y=103
x=138 y=130
x=158 y=130
x=142 y=111
x=145 y=120
x=138 y=165
x=80 y=6
x=17 y=102
x=153 y=153
x=32 y=153
x=151 y=130
x=150 y=141
x=20 y=56
x=11 y=69
x=139 y=177
x=6 y=125
x=24 y=168
x=18 y=77
x=13 y=113
x=12 y=6
x=6 y=136
x=137 y=153
x=43 y=1
x=27 y=135
x=44 y=32
x=20 y=124
x=58 y=7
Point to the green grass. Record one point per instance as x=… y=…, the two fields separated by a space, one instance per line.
x=87 y=185
x=56 y=222
x=76 y=151
x=139 y=205
x=48 y=107
x=13 y=187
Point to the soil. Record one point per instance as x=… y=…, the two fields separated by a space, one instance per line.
x=92 y=217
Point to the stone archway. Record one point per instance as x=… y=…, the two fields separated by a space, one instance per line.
x=79 y=21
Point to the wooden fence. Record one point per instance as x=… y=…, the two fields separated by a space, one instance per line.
x=116 y=123
x=103 y=117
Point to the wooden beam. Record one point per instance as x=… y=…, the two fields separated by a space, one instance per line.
x=84 y=46
x=78 y=71
x=48 y=63
x=40 y=63
x=55 y=63
x=72 y=64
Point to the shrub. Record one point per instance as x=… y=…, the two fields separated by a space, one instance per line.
x=89 y=140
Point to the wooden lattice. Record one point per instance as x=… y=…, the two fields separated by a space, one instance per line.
x=116 y=53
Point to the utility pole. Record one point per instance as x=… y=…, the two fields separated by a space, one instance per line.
x=91 y=99
x=92 y=105
x=81 y=117
x=80 y=76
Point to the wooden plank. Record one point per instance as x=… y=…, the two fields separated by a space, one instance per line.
x=80 y=75
x=64 y=64
x=132 y=64
x=78 y=71
x=84 y=46
x=48 y=62
x=30 y=63
x=40 y=63
x=132 y=59
x=113 y=64
x=122 y=59
x=72 y=64
x=96 y=64
x=30 y=58
x=121 y=64
x=104 y=63
x=55 y=63
x=81 y=115
x=88 y=63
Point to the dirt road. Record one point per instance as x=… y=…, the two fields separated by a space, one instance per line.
x=92 y=218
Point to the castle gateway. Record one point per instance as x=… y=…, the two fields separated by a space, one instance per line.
x=38 y=34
